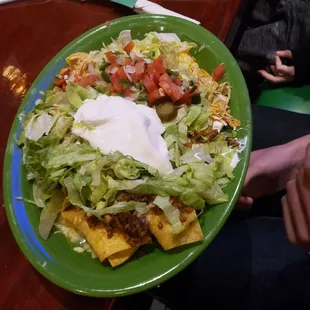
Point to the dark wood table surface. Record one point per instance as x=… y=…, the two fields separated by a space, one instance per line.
x=31 y=33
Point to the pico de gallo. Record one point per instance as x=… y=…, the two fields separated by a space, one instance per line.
x=146 y=71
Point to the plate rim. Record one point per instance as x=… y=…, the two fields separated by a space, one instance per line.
x=28 y=253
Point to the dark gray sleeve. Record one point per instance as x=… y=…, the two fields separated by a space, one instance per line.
x=301 y=61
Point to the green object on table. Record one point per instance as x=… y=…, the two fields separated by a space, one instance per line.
x=129 y=3
x=294 y=99
x=54 y=258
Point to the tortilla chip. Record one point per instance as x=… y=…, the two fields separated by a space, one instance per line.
x=192 y=232
x=121 y=257
x=97 y=237
x=78 y=62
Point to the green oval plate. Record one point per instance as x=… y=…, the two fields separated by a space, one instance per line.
x=55 y=258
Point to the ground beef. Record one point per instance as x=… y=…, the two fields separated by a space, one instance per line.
x=125 y=196
x=206 y=135
x=232 y=142
x=176 y=202
x=157 y=210
x=183 y=218
x=133 y=227
x=93 y=221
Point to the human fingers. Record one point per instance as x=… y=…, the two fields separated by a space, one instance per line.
x=288 y=223
x=278 y=62
x=285 y=54
x=273 y=69
x=280 y=69
x=298 y=215
x=244 y=203
x=304 y=196
x=272 y=78
x=307 y=167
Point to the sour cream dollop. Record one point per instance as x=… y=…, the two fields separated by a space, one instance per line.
x=116 y=124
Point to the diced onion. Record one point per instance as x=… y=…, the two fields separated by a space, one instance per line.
x=185 y=84
x=120 y=60
x=101 y=83
x=130 y=69
x=147 y=60
x=128 y=76
x=91 y=69
x=114 y=70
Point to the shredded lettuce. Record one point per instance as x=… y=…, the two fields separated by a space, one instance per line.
x=64 y=167
x=119 y=207
x=201 y=122
x=217 y=147
x=196 y=155
x=172 y=213
x=39 y=125
x=214 y=195
x=193 y=200
x=124 y=37
x=182 y=127
x=192 y=115
x=128 y=168
x=49 y=214
x=77 y=94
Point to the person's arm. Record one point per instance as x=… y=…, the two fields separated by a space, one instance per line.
x=296 y=206
x=270 y=170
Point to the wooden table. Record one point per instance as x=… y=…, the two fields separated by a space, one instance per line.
x=31 y=33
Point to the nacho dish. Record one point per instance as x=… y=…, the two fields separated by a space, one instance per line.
x=132 y=144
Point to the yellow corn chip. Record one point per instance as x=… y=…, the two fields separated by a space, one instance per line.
x=78 y=62
x=161 y=229
x=97 y=237
x=121 y=257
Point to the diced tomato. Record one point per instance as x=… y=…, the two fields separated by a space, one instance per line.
x=165 y=63
x=187 y=97
x=149 y=84
x=127 y=92
x=87 y=80
x=110 y=88
x=64 y=71
x=140 y=69
x=59 y=82
x=112 y=66
x=128 y=61
x=178 y=81
x=129 y=46
x=115 y=82
x=111 y=58
x=120 y=73
x=165 y=78
x=154 y=95
x=156 y=77
x=158 y=65
x=218 y=72
x=171 y=90
x=150 y=68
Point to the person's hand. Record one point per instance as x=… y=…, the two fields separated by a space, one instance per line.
x=281 y=73
x=270 y=169
x=296 y=206
x=266 y=174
